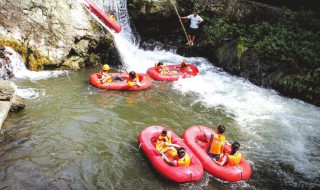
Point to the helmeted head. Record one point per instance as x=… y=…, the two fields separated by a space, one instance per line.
x=181 y=152
x=132 y=74
x=105 y=67
x=164 y=132
x=221 y=129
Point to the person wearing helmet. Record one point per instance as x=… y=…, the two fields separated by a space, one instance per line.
x=133 y=79
x=105 y=77
x=216 y=142
x=231 y=159
x=181 y=159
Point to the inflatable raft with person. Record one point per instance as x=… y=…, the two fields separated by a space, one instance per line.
x=172 y=72
x=108 y=19
x=195 y=139
x=178 y=174
x=145 y=82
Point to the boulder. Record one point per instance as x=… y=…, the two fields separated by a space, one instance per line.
x=9 y=101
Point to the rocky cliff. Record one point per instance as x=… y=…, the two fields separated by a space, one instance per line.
x=53 y=34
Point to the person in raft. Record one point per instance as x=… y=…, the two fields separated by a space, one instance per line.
x=160 y=68
x=232 y=159
x=112 y=17
x=194 y=26
x=164 y=144
x=216 y=142
x=133 y=79
x=103 y=75
x=184 y=68
x=180 y=159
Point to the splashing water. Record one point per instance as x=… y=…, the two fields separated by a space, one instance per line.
x=22 y=73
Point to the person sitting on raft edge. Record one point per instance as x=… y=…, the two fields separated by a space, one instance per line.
x=104 y=76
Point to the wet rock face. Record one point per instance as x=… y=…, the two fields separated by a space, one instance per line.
x=154 y=19
x=48 y=34
x=6 y=70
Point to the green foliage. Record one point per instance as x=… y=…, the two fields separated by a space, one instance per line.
x=292 y=42
x=221 y=29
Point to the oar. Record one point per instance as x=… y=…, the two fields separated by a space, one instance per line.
x=185 y=32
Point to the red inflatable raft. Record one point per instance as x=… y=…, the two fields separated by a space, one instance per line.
x=105 y=18
x=184 y=174
x=194 y=138
x=173 y=76
x=144 y=79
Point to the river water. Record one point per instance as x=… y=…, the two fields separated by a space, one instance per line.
x=74 y=136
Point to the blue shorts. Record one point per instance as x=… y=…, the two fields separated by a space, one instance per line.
x=214 y=156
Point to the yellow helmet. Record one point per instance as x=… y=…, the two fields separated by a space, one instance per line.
x=105 y=67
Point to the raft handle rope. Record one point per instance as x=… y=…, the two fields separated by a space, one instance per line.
x=185 y=32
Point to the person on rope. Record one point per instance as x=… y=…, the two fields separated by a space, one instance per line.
x=196 y=20
x=133 y=79
x=180 y=159
x=216 y=142
x=184 y=68
x=104 y=76
x=231 y=159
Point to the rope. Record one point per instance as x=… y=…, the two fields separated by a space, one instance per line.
x=185 y=32
x=126 y=144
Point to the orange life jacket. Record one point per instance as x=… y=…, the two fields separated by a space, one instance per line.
x=166 y=138
x=113 y=18
x=161 y=69
x=216 y=143
x=132 y=81
x=184 y=161
x=160 y=145
x=234 y=160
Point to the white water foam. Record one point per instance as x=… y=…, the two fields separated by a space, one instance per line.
x=21 y=72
